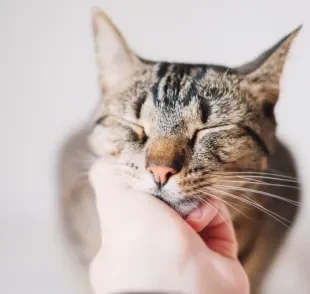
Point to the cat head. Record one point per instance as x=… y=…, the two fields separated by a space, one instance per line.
x=173 y=128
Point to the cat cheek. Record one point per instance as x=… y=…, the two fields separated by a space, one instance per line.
x=110 y=149
x=101 y=147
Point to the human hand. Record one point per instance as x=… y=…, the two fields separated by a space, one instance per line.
x=147 y=246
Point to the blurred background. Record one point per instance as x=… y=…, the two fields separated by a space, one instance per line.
x=49 y=88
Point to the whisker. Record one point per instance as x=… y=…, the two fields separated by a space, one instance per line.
x=254 y=180
x=255 y=205
x=272 y=178
x=272 y=172
x=259 y=183
x=209 y=204
x=255 y=173
x=296 y=203
x=250 y=202
x=277 y=171
x=279 y=176
x=224 y=201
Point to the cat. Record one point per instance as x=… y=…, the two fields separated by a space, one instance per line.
x=187 y=132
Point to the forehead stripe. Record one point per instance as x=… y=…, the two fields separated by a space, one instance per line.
x=162 y=71
x=137 y=106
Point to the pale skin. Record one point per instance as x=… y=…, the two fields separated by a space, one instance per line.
x=147 y=246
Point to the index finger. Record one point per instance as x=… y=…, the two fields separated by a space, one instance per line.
x=213 y=223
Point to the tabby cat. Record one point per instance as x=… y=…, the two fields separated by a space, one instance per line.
x=187 y=132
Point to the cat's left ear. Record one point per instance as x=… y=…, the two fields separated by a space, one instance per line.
x=262 y=75
x=115 y=60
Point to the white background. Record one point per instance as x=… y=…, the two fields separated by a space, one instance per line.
x=48 y=87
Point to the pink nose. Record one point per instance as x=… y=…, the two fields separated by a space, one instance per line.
x=161 y=173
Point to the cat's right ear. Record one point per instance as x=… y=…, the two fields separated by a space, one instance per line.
x=115 y=59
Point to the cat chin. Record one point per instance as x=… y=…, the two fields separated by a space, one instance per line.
x=183 y=207
x=186 y=207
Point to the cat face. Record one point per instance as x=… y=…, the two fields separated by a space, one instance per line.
x=173 y=129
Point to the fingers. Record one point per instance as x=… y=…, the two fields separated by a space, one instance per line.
x=202 y=216
x=212 y=221
x=110 y=195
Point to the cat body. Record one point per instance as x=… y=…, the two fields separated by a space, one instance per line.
x=188 y=132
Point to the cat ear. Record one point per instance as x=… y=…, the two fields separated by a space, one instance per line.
x=262 y=75
x=115 y=59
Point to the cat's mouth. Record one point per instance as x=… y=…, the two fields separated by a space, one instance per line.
x=183 y=205
x=162 y=198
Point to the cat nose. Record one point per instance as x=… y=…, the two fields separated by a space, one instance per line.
x=165 y=157
x=161 y=174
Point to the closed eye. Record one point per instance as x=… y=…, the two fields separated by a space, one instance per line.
x=111 y=120
x=247 y=130
x=202 y=132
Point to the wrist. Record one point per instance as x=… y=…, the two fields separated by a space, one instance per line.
x=140 y=271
